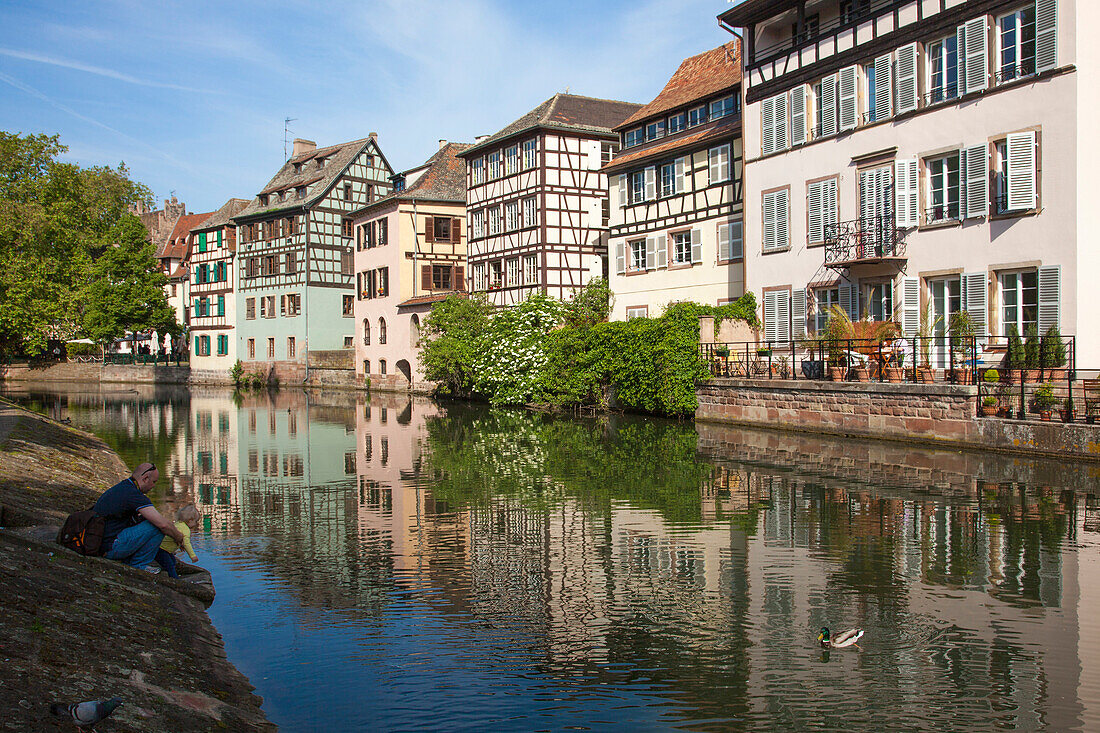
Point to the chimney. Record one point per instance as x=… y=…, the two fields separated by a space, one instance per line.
x=442 y=143
x=479 y=138
x=303 y=146
x=373 y=136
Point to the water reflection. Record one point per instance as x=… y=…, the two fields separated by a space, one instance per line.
x=514 y=569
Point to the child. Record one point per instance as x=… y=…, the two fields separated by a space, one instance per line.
x=187 y=519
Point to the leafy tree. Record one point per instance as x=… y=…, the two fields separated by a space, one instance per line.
x=590 y=305
x=451 y=342
x=126 y=291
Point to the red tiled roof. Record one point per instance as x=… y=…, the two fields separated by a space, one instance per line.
x=423 y=299
x=177 y=246
x=698 y=76
x=724 y=128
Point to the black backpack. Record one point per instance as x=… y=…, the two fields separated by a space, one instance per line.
x=82 y=532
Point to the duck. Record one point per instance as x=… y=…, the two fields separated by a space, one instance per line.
x=843 y=639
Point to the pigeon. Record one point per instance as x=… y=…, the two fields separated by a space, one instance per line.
x=86 y=714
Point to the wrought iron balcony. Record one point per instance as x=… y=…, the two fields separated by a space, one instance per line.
x=870 y=240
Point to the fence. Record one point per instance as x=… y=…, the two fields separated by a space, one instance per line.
x=165 y=359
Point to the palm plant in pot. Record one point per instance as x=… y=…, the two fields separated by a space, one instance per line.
x=837 y=331
x=925 y=335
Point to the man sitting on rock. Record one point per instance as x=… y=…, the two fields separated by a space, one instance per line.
x=133 y=529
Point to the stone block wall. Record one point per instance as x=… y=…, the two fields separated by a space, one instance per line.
x=332 y=359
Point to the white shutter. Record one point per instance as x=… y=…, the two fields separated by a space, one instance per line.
x=771 y=307
x=884 y=87
x=714 y=165
x=829 y=208
x=678 y=180
x=975 y=292
x=815 y=220
x=828 y=105
x=1046 y=35
x=975 y=162
x=651 y=183
x=696 y=245
x=977 y=54
x=767 y=126
x=848 y=95
x=775 y=220
x=960 y=54
x=846 y=297
x=769 y=222
x=798 y=114
x=906 y=190
x=662 y=251
x=723 y=242
x=620 y=258
x=798 y=313
x=910 y=305
x=650 y=253
x=1050 y=297
x=781 y=122
x=737 y=240
x=783 y=316
x=622 y=190
x=907 y=78
x=683 y=174
x=1021 y=171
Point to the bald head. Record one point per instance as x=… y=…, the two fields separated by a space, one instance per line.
x=145 y=477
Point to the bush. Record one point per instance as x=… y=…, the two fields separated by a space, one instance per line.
x=74 y=349
x=1031 y=347
x=1015 y=355
x=989 y=401
x=1044 y=398
x=235 y=372
x=1053 y=348
x=991 y=376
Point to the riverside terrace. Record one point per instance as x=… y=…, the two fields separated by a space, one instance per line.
x=1014 y=379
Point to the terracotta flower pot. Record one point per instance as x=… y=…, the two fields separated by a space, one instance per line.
x=859 y=374
x=1045 y=415
x=895 y=375
x=926 y=375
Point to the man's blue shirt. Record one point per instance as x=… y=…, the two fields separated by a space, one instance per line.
x=120 y=505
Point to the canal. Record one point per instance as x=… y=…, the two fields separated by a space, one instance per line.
x=386 y=563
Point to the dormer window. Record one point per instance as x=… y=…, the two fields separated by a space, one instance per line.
x=632 y=137
x=263 y=200
x=399 y=183
x=723 y=107
x=676 y=123
x=320 y=163
x=697 y=115
x=301 y=191
x=655 y=130
x=297 y=167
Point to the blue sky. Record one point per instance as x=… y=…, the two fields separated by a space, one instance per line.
x=192 y=95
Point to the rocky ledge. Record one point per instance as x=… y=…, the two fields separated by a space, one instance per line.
x=75 y=628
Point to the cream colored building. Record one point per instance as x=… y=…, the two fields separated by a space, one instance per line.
x=675 y=192
x=920 y=154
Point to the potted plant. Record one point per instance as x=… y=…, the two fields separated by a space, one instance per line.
x=1014 y=355
x=838 y=329
x=961 y=329
x=1032 y=345
x=722 y=351
x=925 y=335
x=1052 y=355
x=989 y=406
x=1067 y=410
x=763 y=351
x=991 y=383
x=896 y=372
x=1045 y=401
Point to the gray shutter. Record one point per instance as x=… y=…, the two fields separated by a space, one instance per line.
x=662 y=251
x=798 y=313
x=650 y=253
x=907 y=78
x=782 y=235
x=1046 y=35
x=737 y=240
x=798 y=114
x=976 y=181
x=1050 y=297
x=781 y=122
x=683 y=174
x=651 y=183
x=910 y=305
x=977 y=54
x=714 y=165
x=815 y=207
x=678 y=179
x=620 y=258
x=828 y=105
x=767 y=126
x=848 y=84
x=783 y=316
x=696 y=245
x=723 y=242
x=622 y=190
x=960 y=53
x=975 y=292
x=771 y=308
x=830 y=208
x=906 y=191
x=1021 y=171
x=848 y=300
x=768 y=223
x=884 y=86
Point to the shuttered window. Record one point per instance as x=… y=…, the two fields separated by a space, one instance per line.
x=910 y=305
x=907 y=78
x=777 y=315
x=826 y=107
x=1046 y=35
x=718 y=160
x=906 y=181
x=798 y=114
x=1050 y=297
x=884 y=86
x=976 y=181
x=731 y=245
x=775 y=220
x=974 y=50
x=1020 y=173
x=773 y=112
x=822 y=209
x=798 y=313
x=848 y=81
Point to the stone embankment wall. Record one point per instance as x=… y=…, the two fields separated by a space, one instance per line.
x=929 y=413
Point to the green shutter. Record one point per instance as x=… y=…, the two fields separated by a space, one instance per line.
x=202 y=242
x=219 y=237
x=196 y=345
x=221 y=305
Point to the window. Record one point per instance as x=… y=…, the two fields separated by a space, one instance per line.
x=853 y=10
x=477 y=223
x=1015 y=178
x=529 y=155
x=637 y=187
x=637 y=311
x=719 y=162
x=677 y=122
x=824 y=300
x=637 y=255
x=530 y=215
x=479 y=276
x=494 y=165
x=1016 y=44
x=382 y=337
x=202 y=242
x=267 y=265
x=869 y=113
x=943 y=70
x=511 y=216
x=366 y=370
x=271 y=348
x=512 y=272
x=494 y=220
x=880 y=301
x=775 y=221
x=632 y=137
x=347 y=193
x=681 y=248
x=477 y=171
x=300 y=191
x=441 y=277
x=496 y=273
x=668 y=179
x=511 y=160
x=697 y=115
x=655 y=130
x=1019 y=300
x=202 y=345
x=290 y=347
x=809 y=28
x=441 y=229
x=822 y=202
x=292 y=304
x=349 y=304
x=723 y=107
x=607 y=152
x=223 y=349
x=366 y=338
x=943 y=189
x=345 y=228
x=530 y=271
x=251 y=348
x=347 y=263
x=383 y=231
x=605 y=211
x=291 y=262
x=221 y=305
x=349 y=341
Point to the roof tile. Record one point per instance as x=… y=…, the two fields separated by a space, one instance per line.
x=699 y=76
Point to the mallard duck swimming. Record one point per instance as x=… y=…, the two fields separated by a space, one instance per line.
x=843 y=639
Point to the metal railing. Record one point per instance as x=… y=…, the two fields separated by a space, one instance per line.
x=940 y=95
x=860 y=12
x=865 y=239
x=164 y=358
x=940 y=214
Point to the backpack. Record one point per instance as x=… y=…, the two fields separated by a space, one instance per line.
x=82 y=532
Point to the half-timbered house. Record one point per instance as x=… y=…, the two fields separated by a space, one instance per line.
x=536 y=199
x=295 y=284
x=410 y=253
x=675 y=191
x=212 y=292
x=174 y=262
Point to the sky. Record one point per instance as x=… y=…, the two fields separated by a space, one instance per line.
x=192 y=96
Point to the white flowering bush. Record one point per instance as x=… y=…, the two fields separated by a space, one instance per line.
x=509 y=369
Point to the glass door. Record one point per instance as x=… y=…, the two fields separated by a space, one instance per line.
x=946 y=295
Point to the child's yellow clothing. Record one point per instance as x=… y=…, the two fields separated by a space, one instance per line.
x=169 y=544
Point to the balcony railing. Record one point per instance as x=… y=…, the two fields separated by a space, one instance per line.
x=866 y=240
x=860 y=11
x=942 y=94
x=942 y=213
x=1011 y=72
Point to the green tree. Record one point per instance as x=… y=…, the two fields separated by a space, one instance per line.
x=451 y=340
x=126 y=290
x=590 y=305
